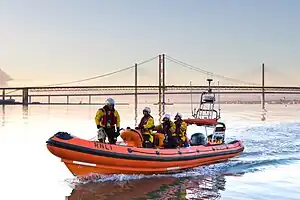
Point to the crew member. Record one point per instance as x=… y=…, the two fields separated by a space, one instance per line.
x=108 y=118
x=168 y=129
x=180 y=130
x=146 y=125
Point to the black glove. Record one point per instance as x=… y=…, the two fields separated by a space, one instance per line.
x=118 y=131
x=98 y=126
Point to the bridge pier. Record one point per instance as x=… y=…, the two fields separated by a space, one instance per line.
x=49 y=99
x=90 y=99
x=67 y=99
x=25 y=96
x=3 y=94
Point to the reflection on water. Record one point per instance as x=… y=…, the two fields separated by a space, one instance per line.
x=25 y=113
x=3 y=115
x=263 y=115
x=269 y=163
x=200 y=187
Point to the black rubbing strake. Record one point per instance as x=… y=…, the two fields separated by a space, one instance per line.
x=136 y=157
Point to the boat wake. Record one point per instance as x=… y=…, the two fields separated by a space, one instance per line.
x=266 y=146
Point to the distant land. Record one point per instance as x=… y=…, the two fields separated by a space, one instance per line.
x=281 y=101
x=4 y=78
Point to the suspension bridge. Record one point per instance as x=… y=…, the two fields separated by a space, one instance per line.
x=154 y=85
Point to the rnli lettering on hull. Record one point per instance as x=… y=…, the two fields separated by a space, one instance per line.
x=100 y=145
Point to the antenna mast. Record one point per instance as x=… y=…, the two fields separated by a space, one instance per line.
x=219 y=100
x=191 y=99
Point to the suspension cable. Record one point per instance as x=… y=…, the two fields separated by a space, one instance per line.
x=206 y=72
x=96 y=77
x=101 y=76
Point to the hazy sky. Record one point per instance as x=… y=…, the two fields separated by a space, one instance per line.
x=45 y=42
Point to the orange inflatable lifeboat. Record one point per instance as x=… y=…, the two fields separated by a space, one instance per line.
x=83 y=157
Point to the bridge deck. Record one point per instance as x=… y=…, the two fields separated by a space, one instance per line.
x=172 y=87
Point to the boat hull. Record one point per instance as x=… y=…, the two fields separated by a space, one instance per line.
x=84 y=157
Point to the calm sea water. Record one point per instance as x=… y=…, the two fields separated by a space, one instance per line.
x=268 y=169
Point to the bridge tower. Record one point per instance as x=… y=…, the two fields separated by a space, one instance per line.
x=161 y=85
x=135 y=94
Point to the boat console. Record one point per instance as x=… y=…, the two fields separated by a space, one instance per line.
x=207 y=111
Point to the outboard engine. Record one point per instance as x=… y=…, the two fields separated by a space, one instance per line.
x=198 y=139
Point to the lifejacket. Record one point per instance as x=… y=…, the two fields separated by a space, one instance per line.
x=108 y=117
x=179 y=133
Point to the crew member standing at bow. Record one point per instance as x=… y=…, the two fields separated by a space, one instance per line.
x=180 y=130
x=108 y=118
x=146 y=125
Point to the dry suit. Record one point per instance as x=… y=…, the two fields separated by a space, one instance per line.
x=180 y=131
x=146 y=126
x=110 y=121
